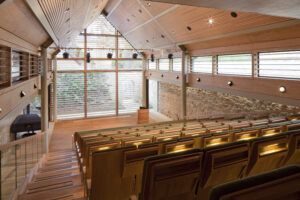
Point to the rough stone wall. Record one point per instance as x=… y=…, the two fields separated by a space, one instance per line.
x=203 y=103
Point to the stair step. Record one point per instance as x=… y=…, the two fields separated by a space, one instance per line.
x=55 y=174
x=51 y=163
x=55 y=183
x=56 y=194
x=58 y=167
x=59 y=158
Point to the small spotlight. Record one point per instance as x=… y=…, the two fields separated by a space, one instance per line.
x=152 y=58
x=88 y=57
x=109 y=55
x=162 y=36
x=210 y=21
x=230 y=83
x=282 y=89
x=198 y=79
x=170 y=56
x=66 y=55
x=188 y=28
x=148 y=4
x=134 y=56
x=234 y=14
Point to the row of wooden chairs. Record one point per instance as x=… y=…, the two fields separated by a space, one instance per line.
x=211 y=137
x=148 y=148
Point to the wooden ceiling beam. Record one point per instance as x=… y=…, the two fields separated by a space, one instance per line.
x=236 y=33
x=37 y=10
x=286 y=8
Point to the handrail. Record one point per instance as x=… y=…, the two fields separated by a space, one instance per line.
x=21 y=141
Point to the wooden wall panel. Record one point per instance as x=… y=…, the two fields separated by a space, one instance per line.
x=155 y=8
x=10 y=97
x=164 y=76
x=17 y=19
x=265 y=86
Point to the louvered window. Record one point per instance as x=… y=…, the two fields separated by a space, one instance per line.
x=70 y=95
x=152 y=65
x=101 y=94
x=101 y=42
x=280 y=64
x=202 y=64
x=101 y=65
x=130 y=91
x=101 y=53
x=20 y=66
x=4 y=66
x=130 y=64
x=164 y=64
x=34 y=65
x=101 y=26
x=238 y=64
x=177 y=63
x=70 y=65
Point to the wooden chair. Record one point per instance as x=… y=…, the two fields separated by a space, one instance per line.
x=172 y=176
x=267 y=153
x=293 y=156
x=279 y=184
x=223 y=163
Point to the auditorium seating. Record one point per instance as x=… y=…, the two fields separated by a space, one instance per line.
x=279 y=184
x=112 y=160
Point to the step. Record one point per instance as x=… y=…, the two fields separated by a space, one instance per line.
x=57 y=162
x=57 y=167
x=55 y=183
x=56 y=174
x=59 y=158
x=65 y=193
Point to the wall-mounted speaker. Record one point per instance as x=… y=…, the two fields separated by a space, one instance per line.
x=66 y=55
x=88 y=57
x=134 y=56
x=109 y=55
x=152 y=58
x=170 y=56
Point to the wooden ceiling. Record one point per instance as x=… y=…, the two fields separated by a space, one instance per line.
x=68 y=18
x=282 y=8
x=23 y=30
x=158 y=25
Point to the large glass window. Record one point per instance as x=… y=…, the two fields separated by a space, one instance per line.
x=130 y=91
x=153 y=95
x=239 y=64
x=280 y=64
x=202 y=64
x=130 y=64
x=101 y=65
x=70 y=65
x=101 y=93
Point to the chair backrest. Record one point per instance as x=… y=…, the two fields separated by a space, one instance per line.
x=172 y=176
x=279 y=184
x=293 y=156
x=217 y=139
x=224 y=163
x=245 y=135
x=267 y=153
x=271 y=131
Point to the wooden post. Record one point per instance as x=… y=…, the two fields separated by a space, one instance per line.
x=144 y=84
x=117 y=71
x=44 y=97
x=85 y=75
x=183 y=86
x=55 y=90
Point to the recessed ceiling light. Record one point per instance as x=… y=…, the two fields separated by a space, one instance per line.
x=162 y=36
x=140 y=11
x=148 y=4
x=282 y=89
x=188 y=28
x=210 y=21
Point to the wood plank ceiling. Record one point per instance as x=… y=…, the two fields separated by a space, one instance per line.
x=69 y=17
x=164 y=26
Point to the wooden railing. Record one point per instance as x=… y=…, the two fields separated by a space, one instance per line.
x=18 y=160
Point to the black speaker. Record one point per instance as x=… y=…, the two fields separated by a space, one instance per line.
x=152 y=58
x=170 y=56
x=66 y=55
x=134 y=56
x=88 y=57
x=109 y=55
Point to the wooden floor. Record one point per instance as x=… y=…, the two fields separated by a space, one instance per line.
x=63 y=130
x=58 y=177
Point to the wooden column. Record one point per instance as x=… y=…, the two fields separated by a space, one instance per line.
x=55 y=90
x=183 y=86
x=117 y=71
x=144 y=84
x=44 y=97
x=85 y=74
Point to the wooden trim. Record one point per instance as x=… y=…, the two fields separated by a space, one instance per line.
x=263 y=86
x=117 y=74
x=164 y=76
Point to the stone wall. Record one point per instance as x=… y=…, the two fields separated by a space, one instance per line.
x=203 y=103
